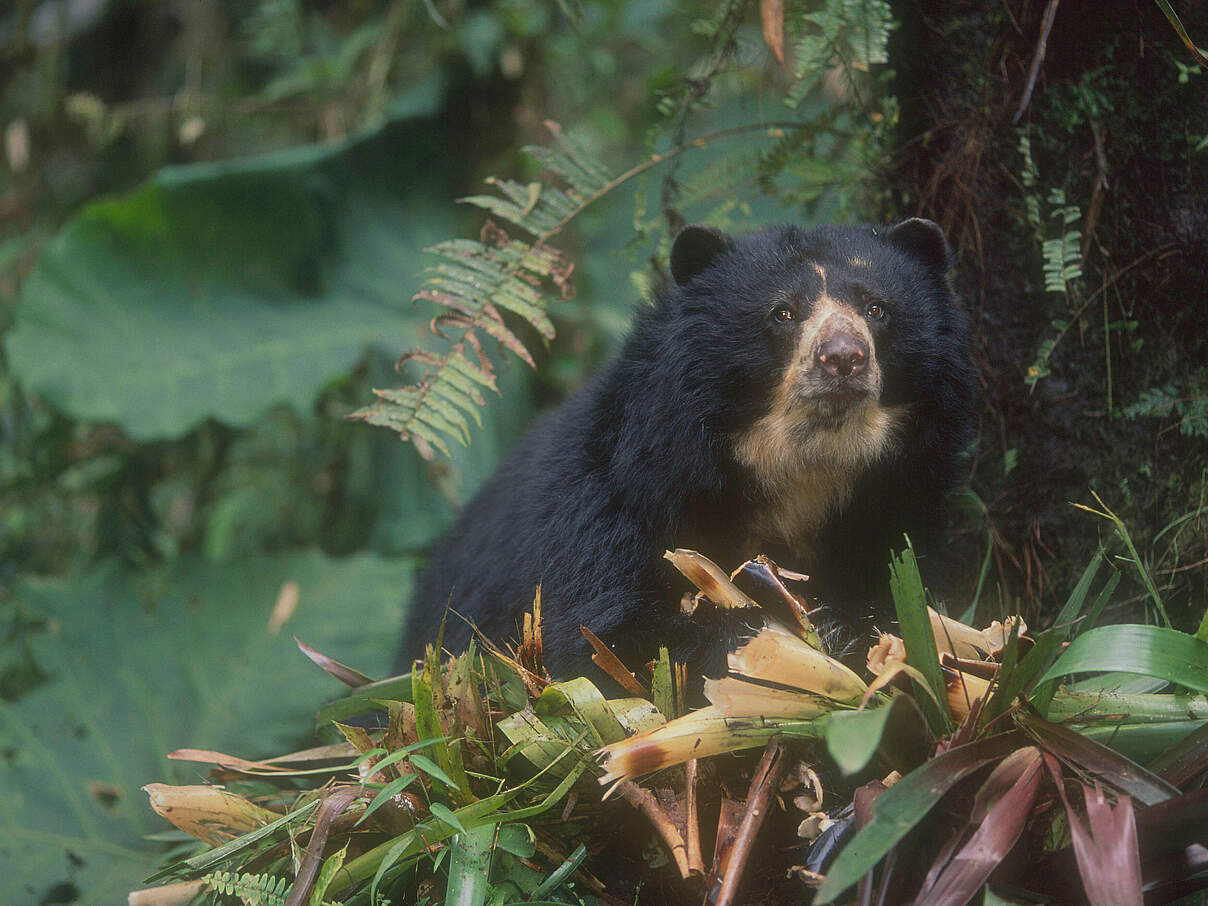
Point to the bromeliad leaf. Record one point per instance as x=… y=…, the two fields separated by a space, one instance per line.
x=904 y=805
x=1156 y=651
x=1000 y=813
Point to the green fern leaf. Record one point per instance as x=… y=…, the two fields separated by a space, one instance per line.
x=482 y=283
x=511 y=212
x=252 y=890
x=850 y=34
x=573 y=164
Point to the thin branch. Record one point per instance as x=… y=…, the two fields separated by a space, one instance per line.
x=1162 y=251
x=765 y=782
x=1173 y=18
x=1050 y=13
x=653 y=161
x=384 y=53
x=696 y=862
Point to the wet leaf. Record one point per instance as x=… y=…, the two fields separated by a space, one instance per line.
x=1128 y=648
x=470 y=866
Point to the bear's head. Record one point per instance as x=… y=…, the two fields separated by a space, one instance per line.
x=820 y=348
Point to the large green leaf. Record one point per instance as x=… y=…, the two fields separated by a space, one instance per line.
x=143 y=664
x=219 y=290
x=1156 y=651
x=897 y=730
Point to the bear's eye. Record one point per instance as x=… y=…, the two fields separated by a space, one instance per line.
x=875 y=311
x=783 y=314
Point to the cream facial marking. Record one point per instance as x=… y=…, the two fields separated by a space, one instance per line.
x=821 y=272
x=808 y=450
x=813 y=477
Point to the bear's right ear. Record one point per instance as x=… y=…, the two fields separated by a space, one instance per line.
x=925 y=240
x=694 y=249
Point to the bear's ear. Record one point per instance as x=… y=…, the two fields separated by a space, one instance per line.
x=925 y=240
x=693 y=250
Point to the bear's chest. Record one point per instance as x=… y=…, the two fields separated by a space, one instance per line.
x=805 y=475
x=797 y=508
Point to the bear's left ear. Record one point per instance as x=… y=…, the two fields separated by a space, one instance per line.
x=694 y=249
x=925 y=240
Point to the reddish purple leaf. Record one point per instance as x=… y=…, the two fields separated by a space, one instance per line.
x=999 y=815
x=1109 y=859
x=335 y=800
x=1099 y=761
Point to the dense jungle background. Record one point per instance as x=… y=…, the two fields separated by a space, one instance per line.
x=214 y=216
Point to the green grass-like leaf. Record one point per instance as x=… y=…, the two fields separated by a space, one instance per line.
x=1018 y=677
x=910 y=601
x=1155 y=651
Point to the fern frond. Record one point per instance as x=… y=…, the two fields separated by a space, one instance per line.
x=851 y=34
x=723 y=180
x=726 y=12
x=478 y=283
x=423 y=412
x=1165 y=400
x=252 y=890
x=1030 y=178
x=1062 y=255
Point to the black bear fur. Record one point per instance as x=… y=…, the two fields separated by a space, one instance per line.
x=709 y=432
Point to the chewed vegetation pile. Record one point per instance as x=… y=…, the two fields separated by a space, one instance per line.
x=1065 y=764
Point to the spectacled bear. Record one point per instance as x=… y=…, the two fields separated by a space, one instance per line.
x=800 y=393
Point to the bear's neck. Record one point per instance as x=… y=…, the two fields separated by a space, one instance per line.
x=803 y=473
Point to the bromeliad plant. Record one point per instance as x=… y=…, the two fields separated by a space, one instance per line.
x=1068 y=765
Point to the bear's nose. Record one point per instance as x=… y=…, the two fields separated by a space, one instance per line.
x=843 y=355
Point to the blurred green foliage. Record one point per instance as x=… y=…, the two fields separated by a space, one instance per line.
x=144 y=663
